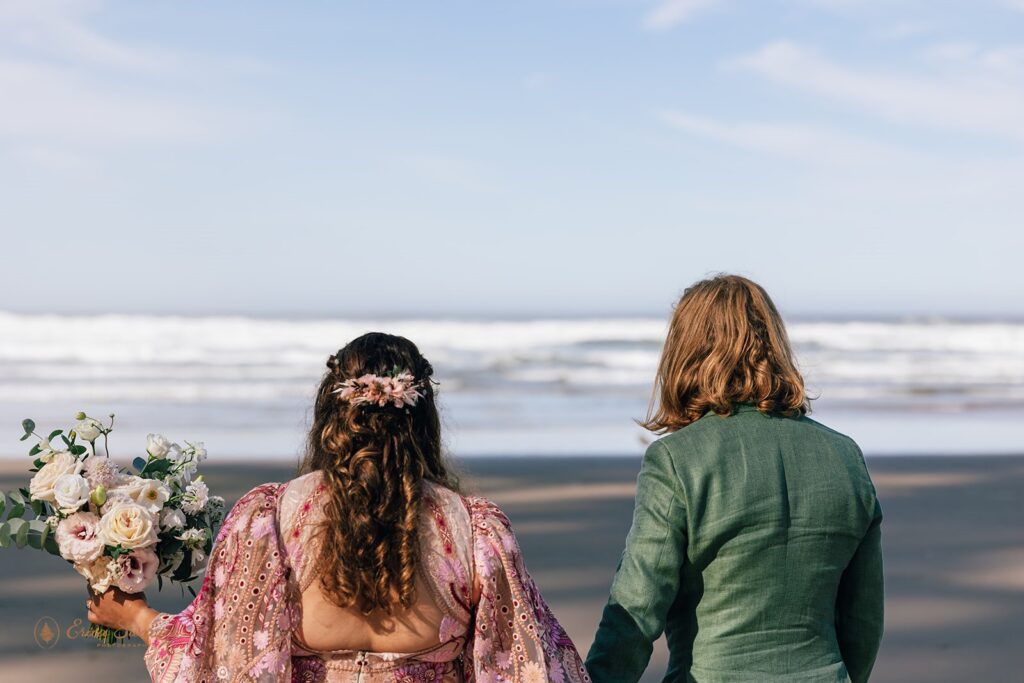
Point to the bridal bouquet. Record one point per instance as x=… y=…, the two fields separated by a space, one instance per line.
x=117 y=527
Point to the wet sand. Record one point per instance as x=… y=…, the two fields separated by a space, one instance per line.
x=953 y=535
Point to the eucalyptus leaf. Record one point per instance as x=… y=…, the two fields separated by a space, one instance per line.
x=35 y=450
x=19 y=531
x=5 y=535
x=21 y=537
x=37 y=531
x=38 y=507
x=66 y=440
x=77 y=450
x=54 y=433
x=28 y=425
x=3 y=503
x=50 y=545
x=16 y=511
x=139 y=464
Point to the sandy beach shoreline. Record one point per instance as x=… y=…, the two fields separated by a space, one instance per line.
x=953 y=538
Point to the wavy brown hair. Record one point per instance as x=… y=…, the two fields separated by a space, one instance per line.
x=374 y=460
x=726 y=345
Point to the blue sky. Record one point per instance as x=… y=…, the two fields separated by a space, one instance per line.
x=552 y=157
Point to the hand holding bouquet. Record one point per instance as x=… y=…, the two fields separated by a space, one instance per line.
x=118 y=528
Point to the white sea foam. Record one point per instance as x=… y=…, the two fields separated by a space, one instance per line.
x=531 y=373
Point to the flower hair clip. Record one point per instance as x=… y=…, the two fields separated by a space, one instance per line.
x=399 y=389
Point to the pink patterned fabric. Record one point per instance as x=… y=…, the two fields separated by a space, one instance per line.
x=496 y=626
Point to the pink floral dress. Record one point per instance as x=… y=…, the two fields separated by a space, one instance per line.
x=241 y=625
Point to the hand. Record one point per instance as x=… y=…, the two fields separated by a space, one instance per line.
x=119 y=610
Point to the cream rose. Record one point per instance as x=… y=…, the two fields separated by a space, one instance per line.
x=78 y=538
x=99 y=573
x=70 y=492
x=128 y=525
x=41 y=486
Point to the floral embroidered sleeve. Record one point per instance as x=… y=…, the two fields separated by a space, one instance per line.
x=239 y=626
x=515 y=636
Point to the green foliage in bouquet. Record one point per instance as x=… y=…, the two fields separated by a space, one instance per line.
x=117 y=527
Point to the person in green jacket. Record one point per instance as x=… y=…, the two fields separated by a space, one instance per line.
x=755 y=544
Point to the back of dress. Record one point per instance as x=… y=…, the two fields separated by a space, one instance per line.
x=760 y=535
x=246 y=623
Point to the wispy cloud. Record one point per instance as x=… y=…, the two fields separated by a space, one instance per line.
x=669 y=13
x=53 y=104
x=72 y=94
x=802 y=142
x=1014 y=4
x=982 y=102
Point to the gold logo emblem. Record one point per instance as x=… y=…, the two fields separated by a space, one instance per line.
x=47 y=632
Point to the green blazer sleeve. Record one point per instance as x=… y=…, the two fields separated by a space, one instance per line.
x=859 y=605
x=647 y=580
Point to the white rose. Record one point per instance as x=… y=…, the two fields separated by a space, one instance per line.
x=172 y=518
x=70 y=492
x=157 y=445
x=41 y=486
x=88 y=429
x=128 y=525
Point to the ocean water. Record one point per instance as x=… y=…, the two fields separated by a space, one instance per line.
x=553 y=386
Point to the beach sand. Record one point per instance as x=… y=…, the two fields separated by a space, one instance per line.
x=954 y=552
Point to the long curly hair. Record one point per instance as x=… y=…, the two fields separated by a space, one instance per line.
x=726 y=345
x=374 y=460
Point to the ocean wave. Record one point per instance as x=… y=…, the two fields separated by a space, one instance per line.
x=236 y=359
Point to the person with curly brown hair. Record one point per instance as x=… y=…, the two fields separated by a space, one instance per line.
x=371 y=566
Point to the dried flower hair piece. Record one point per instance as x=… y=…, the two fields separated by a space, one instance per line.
x=399 y=389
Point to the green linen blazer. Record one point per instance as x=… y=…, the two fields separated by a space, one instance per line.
x=756 y=548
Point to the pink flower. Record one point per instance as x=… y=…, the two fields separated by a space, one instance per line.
x=136 y=570
x=78 y=537
x=399 y=390
x=101 y=471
